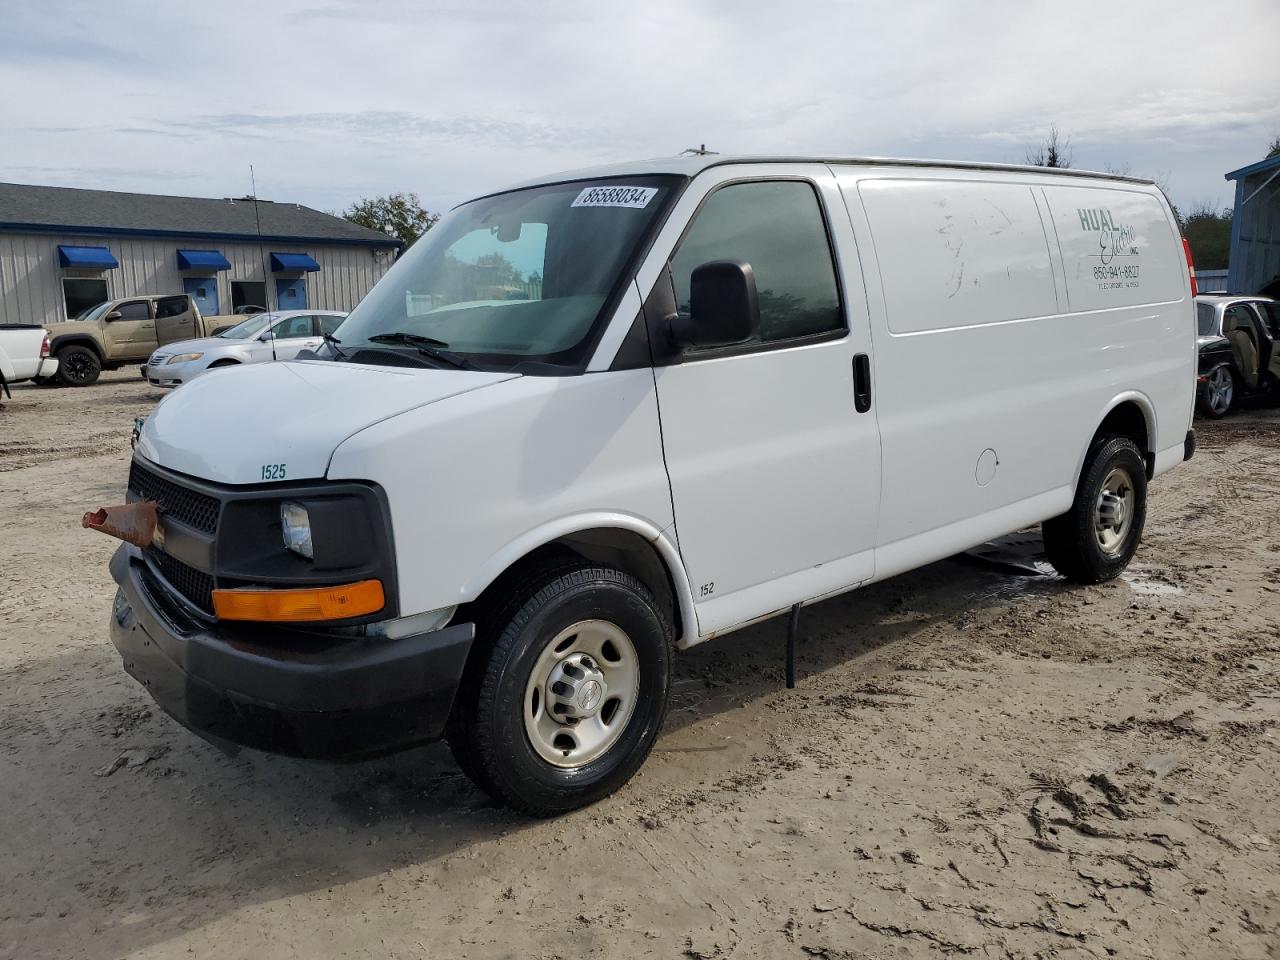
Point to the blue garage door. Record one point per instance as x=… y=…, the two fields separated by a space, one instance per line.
x=204 y=291
x=291 y=294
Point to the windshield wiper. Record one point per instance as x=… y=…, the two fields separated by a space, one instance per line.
x=333 y=343
x=416 y=339
x=425 y=346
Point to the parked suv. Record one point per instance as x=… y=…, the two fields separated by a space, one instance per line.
x=1239 y=358
x=118 y=332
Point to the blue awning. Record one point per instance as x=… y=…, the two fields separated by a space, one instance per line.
x=87 y=258
x=202 y=260
x=293 y=261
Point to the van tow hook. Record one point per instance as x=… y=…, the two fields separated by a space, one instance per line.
x=132 y=522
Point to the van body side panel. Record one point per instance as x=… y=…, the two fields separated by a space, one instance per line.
x=1124 y=267
x=467 y=481
x=970 y=380
x=989 y=385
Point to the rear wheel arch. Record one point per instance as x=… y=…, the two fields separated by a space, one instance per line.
x=1129 y=415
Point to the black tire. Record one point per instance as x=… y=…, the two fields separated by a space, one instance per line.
x=1073 y=541
x=78 y=366
x=490 y=616
x=1210 y=402
x=487 y=733
x=224 y=363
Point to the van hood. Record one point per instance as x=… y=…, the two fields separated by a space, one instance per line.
x=289 y=416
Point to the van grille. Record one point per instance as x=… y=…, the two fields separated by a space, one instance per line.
x=188 y=581
x=187 y=506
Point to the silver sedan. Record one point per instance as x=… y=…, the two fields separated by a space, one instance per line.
x=279 y=335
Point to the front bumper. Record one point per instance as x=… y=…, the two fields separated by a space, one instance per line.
x=169 y=374
x=291 y=692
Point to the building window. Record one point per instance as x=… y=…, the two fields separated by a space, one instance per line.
x=81 y=294
x=248 y=293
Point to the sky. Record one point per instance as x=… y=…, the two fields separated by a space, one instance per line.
x=334 y=100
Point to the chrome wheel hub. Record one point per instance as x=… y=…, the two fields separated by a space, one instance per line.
x=1113 y=515
x=576 y=688
x=581 y=693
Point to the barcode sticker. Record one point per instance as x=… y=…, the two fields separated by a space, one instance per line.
x=636 y=197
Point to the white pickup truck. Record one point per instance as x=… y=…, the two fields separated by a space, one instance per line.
x=24 y=353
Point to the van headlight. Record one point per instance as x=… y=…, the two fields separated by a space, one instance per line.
x=295 y=523
x=184 y=357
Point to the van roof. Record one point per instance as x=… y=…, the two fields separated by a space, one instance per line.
x=689 y=165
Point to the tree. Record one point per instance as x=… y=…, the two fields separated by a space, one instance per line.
x=1208 y=231
x=1053 y=151
x=1274 y=149
x=399 y=215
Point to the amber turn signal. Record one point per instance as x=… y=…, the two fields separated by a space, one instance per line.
x=305 y=605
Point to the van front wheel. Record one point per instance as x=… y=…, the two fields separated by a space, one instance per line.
x=572 y=695
x=1095 y=540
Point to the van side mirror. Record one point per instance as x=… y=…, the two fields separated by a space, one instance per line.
x=724 y=307
x=113 y=315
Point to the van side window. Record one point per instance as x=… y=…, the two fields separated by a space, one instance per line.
x=777 y=227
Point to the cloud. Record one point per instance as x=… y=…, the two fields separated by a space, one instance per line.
x=391 y=126
x=331 y=100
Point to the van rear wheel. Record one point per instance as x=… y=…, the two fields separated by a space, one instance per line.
x=570 y=697
x=1095 y=540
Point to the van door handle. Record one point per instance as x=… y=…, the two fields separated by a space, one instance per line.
x=861 y=382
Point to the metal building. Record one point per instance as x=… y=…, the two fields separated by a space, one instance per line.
x=1255 y=228
x=63 y=250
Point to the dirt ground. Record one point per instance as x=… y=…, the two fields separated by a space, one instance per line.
x=975 y=762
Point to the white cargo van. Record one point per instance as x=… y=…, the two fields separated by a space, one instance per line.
x=611 y=414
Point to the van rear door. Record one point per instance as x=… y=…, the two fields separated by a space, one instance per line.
x=775 y=476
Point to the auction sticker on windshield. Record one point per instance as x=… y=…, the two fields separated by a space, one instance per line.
x=615 y=196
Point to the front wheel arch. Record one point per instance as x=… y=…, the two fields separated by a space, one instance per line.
x=626 y=542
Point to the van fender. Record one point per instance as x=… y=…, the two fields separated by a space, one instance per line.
x=75 y=339
x=1148 y=413
x=540 y=536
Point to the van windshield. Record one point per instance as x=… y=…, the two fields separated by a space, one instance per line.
x=516 y=280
